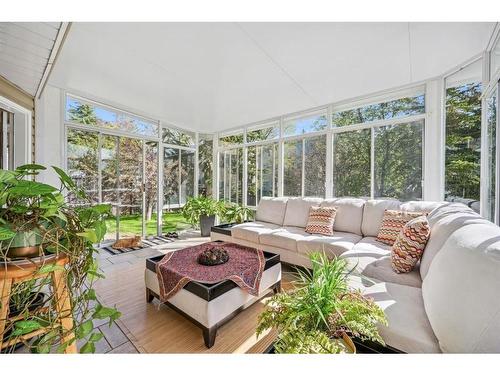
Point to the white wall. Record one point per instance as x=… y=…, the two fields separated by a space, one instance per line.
x=49 y=133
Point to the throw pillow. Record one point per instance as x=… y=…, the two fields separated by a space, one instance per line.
x=410 y=244
x=392 y=223
x=321 y=220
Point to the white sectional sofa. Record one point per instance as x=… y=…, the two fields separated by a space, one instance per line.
x=449 y=303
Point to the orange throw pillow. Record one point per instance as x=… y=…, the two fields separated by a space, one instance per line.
x=410 y=244
x=321 y=220
x=392 y=223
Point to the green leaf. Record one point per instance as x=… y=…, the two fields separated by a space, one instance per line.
x=89 y=347
x=6 y=233
x=100 y=230
x=23 y=327
x=30 y=168
x=103 y=312
x=31 y=189
x=7 y=176
x=84 y=329
x=89 y=234
x=49 y=268
x=66 y=180
x=96 y=336
x=90 y=295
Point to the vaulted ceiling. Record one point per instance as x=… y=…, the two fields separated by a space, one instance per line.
x=25 y=48
x=214 y=76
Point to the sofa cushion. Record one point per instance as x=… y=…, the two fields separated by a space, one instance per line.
x=349 y=214
x=251 y=231
x=297 y=211
x=410 y=244
x=392 y=223
x=373 y=212
x=372 y=259
x=408 y=328
x=460 y=290
x=321 y=220
x=335 y=244
x=271 y=210
x=285 y=238
x=443 y=221
x=420 y=206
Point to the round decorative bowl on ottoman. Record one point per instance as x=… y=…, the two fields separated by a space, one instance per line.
x=213 y=256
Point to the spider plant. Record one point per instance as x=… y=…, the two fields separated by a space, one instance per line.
x=321 y=312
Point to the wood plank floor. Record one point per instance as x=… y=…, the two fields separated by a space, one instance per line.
x=154 y=328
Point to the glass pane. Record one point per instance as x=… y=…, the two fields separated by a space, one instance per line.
x=491 y=117
x=171 y=177
x=262 y=171
x=231 y=173
x=229 y=140
x=307 y=124
x=315 y=166
x=109 y=180
x=205 y=160
x=187 y=175
x=151 y=187
x=130 y=186
x=398 y=161
x=83 y=164
x=82 y=112
x=177 y=137
x=463 y=143
x=381 y=111
x=495 y=58
x=262 y=134
x=351 y=163
x=292 y=168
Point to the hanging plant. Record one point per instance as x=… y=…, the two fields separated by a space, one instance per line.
x=37 y=222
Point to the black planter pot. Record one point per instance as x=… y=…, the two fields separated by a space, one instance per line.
x=206 y=222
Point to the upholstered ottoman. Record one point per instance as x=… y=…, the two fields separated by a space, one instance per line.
x=211 y=305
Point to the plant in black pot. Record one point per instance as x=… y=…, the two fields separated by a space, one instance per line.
x=37 y=224
x=201 y=212
x=234 y=213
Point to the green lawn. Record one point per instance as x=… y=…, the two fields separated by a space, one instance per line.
x=132 y=224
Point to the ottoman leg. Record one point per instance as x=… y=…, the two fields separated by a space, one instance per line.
x=209 y=336
x=149 y=296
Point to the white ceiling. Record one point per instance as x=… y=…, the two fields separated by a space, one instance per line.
x=215 y=76
x=25 y=48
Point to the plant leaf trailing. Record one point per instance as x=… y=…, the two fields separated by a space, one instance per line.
x=319 y=310
x=59 y=228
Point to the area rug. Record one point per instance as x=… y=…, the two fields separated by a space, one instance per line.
x=147 y=242
x=245 y=267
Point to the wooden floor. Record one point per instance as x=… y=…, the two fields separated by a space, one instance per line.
x=154 y=328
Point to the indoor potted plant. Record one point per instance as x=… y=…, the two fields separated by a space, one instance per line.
x=321 y=313
x=234 y=213
x=201 y=212
x=28 y=206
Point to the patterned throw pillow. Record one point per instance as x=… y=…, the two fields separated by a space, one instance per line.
x=321 y=220
x=392 y=223
x=410 y=244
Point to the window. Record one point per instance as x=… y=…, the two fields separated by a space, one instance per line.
x=151 y=187
x=230 y=140
x=351 y=163
x=292 y=168
x=82 y=112
x=491 y=118
x=463 y=135
x=315 y=166
x=231 y=175
x=177 y=137
x=205 y=167
x=178 y=176
x=495 y=58
x=262 y=172
x=398 y=161
x=403 y=107
x=305 y=124
x=263 y=134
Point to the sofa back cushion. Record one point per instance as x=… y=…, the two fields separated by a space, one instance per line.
x=271 y=210
x=460 y=291
x=443 y=221
x=297 y=211
x=373 y=212
x=420 y=206
x=349 y=214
